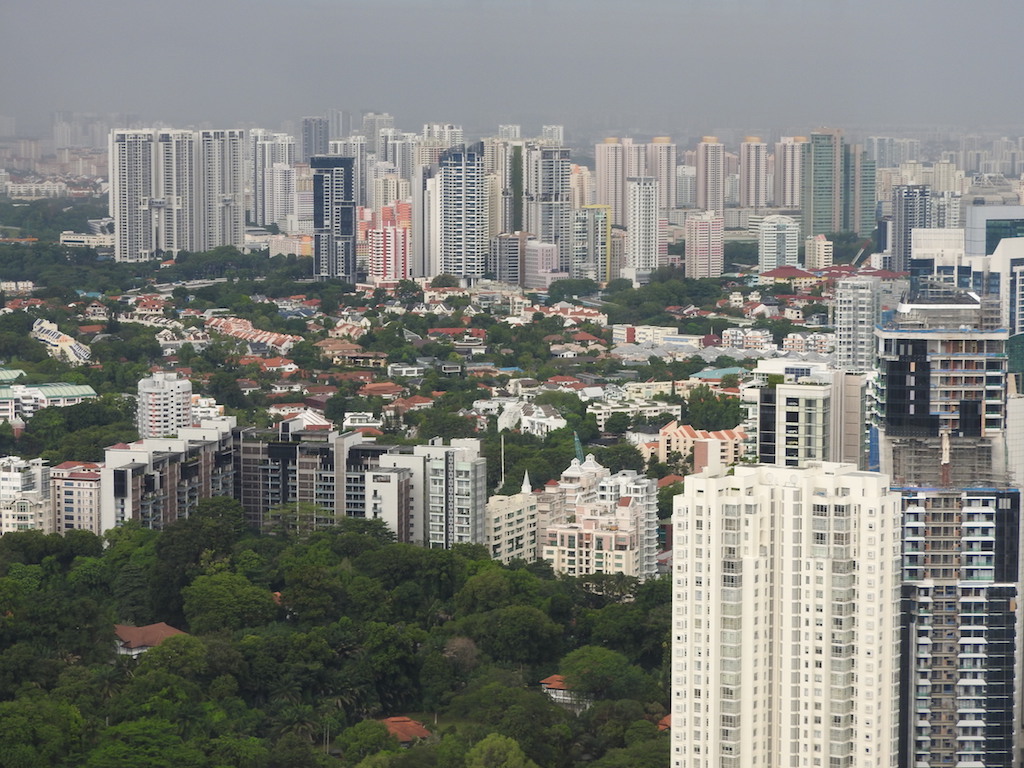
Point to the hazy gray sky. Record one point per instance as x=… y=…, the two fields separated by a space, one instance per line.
x=641 y=64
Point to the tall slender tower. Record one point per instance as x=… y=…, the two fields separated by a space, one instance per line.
x=334 y=218
x=266 y=151
x=547 y=198
x=705 y=244
x=661 y=165
x=778 y=242
x=786 y=607
x=642 y=230
x=462 y=197
x=822 y=186
x=315 y=135
x=911 y=209
x=711 y=175
x=788 y=179
x=753 y=173
x=609 y=178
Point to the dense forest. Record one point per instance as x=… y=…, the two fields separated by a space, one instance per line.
x=298 y=646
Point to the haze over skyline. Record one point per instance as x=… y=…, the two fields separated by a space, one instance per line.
x=650 y=65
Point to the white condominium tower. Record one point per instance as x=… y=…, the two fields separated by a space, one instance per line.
x=174 y=191
x=711 y=175
x=643 y=233
x=785 y=619
x=165 y=405
x=753 y=173
x=267 y=151
x=463 y=213
x=547 y=198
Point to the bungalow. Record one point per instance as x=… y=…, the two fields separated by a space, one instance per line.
x=406 y=731
x=134 y=641
x=561 y=694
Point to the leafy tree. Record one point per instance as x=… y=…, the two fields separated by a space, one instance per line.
x=445 y=281
x=226 y=601
x=712 y=411
x=497 y=751
x=365 y=738
x=618 y=423
x=604 y=674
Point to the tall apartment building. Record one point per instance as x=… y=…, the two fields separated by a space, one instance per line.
x=158 y=480
x=643 y=231
x=463 y=237
x=267 y=152
x=356 y=147
x=822 y=182
x=778 y=242
x=857 y=311
x=75 y=494
x=592 y=234
x=817 y=252
x=661 y=165
x=609 y=178
x=334 y=212
x=786 y=609
x=454 y=492
x=753 y=173
x=173 y=190
x=711 y=175
x=941 y=431
x=788 y=176
x=315 y=135
x=164 y=405
x=911 y=209
x=373 y=124
x=510 y=530
x=547 y=203
x=705 y=244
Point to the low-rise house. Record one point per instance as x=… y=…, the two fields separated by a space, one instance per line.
x=135 y=641
x=561 y=694
x=406 y=731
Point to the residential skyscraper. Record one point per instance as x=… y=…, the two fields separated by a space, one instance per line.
x=388 y=253
x=705 y=244
x=859 y=195
x=356 y=147
x=661 y=165
x=786 y=608
x=609 y=178
x=547 y=203
x=857 y=311
x=753 y=173
x=822 y=184
x=817 y=253
x=334 y=217
x=711 y=175
x=315 y=136
x=463 y=241
x=788 y=178
x=173 y=190
x=643 y=233
x=911 y=209
x=164 y=405
x=941 y=431
x=267 y=151
x=373 y=124
x=592 y=234
x=778 y=242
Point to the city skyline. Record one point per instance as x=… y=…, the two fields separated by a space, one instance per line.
x=100 y=59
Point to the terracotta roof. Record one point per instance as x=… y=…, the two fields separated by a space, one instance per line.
x=665 y=723
x=556 y=682
x=670 y=480
x=405 y=729
x=148 y=636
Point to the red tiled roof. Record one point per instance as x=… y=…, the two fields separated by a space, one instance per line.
x=148 y=636
x=405 y=729
x=556 y=682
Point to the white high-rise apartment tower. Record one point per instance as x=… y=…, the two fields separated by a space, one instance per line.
x=857 y=310
x=753 y=173
x=711 y=175
x=788 y=172
x=165 y=405
x=464 y=242
x=778 y=242
x=786 y=619
x=547 y=198
x=661 y=164
x=705 y=244
x=642 y=225
x=267 y=150
x=174 y=190
x=609 y=178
